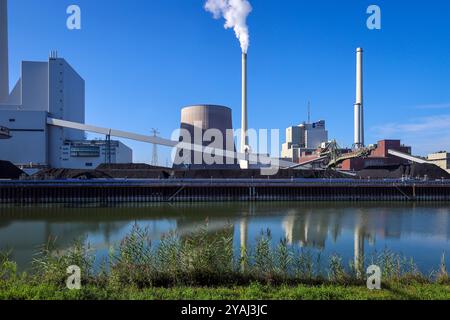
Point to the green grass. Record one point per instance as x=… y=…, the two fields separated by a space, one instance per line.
x=203 y=266
x=413 y=291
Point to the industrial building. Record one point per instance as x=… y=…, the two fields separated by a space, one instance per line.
x=303 y=140
x=441 y=159
x=378 y=156
x=49 y=89
x=92 y=153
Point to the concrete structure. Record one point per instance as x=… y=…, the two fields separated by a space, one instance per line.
x=441 y=159
x=45 y=89
x=90 y=154
x=206 y=125
x=303 y=140
x=4 y=66
x=234 y=190
x=359 y=104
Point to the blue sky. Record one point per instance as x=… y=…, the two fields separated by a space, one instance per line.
x=143 y=60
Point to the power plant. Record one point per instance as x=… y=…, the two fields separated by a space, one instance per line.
x=42 y=125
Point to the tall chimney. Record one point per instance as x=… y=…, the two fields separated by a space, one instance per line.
x=359 y=104
x=4 y=61
x=244 y=133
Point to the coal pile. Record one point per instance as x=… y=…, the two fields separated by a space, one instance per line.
x=144 y=171
x=256 y=174
x=128 y=166
x=414 y=171
x=135 y=171
x=61 y=174
x=9 y=171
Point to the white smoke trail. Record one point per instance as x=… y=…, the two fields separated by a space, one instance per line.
x=235 y=13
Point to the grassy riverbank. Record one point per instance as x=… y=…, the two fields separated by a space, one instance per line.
x=204 y=266
x=393 y=291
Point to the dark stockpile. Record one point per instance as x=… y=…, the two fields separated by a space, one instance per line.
x=9 y=171
x=135 y=171
x=256 y=174
x=128 y=166
x=58 y=174
x=414 y=170
x=143 y=171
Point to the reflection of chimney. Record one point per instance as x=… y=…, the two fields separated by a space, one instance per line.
x=359 y=250
x=4 y=61
x=243 y=242
x=359 y=104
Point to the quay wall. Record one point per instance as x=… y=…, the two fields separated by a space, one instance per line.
x=107 y=192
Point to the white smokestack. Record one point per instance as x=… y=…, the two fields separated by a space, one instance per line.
x=235 y=13
x=244 y=136
x=4 y=59
x=359 y=104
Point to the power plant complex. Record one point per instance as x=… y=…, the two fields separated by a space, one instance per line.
x=42 y=126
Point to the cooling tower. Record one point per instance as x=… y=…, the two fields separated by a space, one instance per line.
x=197 y=121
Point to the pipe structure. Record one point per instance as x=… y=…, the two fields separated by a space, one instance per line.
x=4 y=58
x=255 y=158
x=359 y=104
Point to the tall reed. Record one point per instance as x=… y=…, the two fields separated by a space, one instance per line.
x=206 y=258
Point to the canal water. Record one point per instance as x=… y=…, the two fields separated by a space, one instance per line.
x=418 y=231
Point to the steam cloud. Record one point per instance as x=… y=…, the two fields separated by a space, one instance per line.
x=235 y=13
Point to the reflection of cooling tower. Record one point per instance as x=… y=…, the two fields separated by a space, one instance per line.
x=205 y=125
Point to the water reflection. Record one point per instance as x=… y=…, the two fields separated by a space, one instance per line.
x=351 y=230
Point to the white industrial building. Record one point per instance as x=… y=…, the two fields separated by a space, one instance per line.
x=50 y=89
x=303 y=140
x=86 y=154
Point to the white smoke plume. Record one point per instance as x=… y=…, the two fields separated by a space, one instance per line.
x=235 y=13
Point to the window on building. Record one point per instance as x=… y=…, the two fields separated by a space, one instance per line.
x=85 y=152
